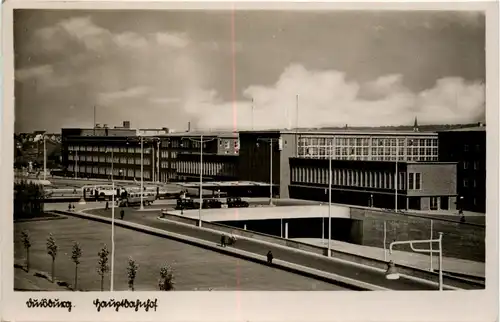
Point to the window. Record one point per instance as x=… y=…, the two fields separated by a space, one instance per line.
x=466 y=165
x=410 y=181
x=466 y=183
x=418 y=182
x=226 y=144
x=476 y=165
x=466 y=147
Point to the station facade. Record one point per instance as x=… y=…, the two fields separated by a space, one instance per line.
x=430 y=175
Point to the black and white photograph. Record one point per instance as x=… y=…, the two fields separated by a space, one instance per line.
x=161 y=152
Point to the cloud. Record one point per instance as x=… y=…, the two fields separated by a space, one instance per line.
x=111 y=97
x=26 y=74
x=326 y=98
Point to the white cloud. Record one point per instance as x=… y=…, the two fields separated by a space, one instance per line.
x=29 y=73
x=326 y=98
x=111 y=97
x=175 y=40
x=165 y=100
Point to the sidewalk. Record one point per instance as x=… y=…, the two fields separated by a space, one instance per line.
x=26 y=281
x=405 y=258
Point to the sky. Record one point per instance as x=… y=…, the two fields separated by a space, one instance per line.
x=247 y=69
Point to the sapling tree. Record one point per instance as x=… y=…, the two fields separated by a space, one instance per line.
x=25 y=236
x=131 y=273
x=52 y=251
x=102 y=264
x=166 y=282
x=75 y=257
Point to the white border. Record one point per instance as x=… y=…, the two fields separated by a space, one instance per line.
x=262 y=306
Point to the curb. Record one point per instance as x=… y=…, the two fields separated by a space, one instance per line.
x=378 y=270
x=260 y=259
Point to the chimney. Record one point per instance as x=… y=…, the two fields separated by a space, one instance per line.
x=189 y=127
x=126 y=124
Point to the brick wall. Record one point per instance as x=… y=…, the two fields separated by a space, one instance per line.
x=465 y=241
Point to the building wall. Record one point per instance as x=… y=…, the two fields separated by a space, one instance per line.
x=288 y=150
x=435 y=179
x=465 y=241
x=215 y=167
x=468 y=148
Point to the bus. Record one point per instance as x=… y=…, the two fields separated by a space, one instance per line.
x=105 y=192
x=134 y=198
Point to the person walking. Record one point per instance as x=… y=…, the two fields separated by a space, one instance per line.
x=270 y=257
x=69 y=206
x=122 y=214
x=107 y=205
x=223 y=240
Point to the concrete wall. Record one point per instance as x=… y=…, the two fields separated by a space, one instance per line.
x=465 y=241
x=437 y=179
x=289 y=149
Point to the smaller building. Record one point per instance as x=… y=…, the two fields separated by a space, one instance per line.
x=421 y=185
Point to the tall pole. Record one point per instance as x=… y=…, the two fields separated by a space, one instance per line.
x=76 y=164
x=271 y=172
x=440 y=261
x=385 y=241
x=396 y=178
x=252 y=111
x=201 y=180
x=94 y=121
x=142 y=175
x=44 y=159
x=329 y=202
x=431 y=246
x=112 y=224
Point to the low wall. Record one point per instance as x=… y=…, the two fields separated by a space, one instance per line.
x=460 y=240
x=260 y=259
x=367 y=261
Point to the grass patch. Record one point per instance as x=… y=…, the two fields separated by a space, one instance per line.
x=194 y=267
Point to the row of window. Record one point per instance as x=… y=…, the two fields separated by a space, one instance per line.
x=366 y=141
x=467 y=149
x=135 y=173
x=164 y=154
x=107 y=158
x=106 y=149
x=466 y=165
x=414 y=181
x=466 y=183
x=375 y=154
x=209 y=168
x=353 y=178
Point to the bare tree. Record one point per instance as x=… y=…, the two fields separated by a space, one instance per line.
x=131 y=272
x=75 y=256
x=166 y=282
x=25 y=236
x=102 y=264
x=52 y=251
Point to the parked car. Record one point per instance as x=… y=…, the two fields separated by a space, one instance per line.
x=236 y=202
x=211 y=203
x=183 y=203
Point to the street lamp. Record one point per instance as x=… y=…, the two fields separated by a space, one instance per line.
x=201 y=141
x=44 y=158
x=270 y=141
x=112 y=221
x=391 y=271
x=330 y=200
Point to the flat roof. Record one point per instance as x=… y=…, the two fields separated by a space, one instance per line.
x=266 y=212
x=480 y=128
x=215 y=184
x=343 y=132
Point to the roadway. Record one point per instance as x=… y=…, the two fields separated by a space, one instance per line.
x=344 y=269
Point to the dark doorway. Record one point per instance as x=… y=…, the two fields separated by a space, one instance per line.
x=444 y=203
x=414 y=203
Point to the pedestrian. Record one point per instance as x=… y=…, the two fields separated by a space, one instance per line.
x=223 y=240
x=122 y=214
x=69 y=206
x=73 y=207
x=107 y=205
x=269 y=257
x=462 y=219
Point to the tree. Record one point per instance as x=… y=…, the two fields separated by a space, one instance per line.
x=52 y=251
x=166 y=282
x=102 y=264
x=75 y=256
x=27 y=244
x=28 y=199
x=131 y=272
